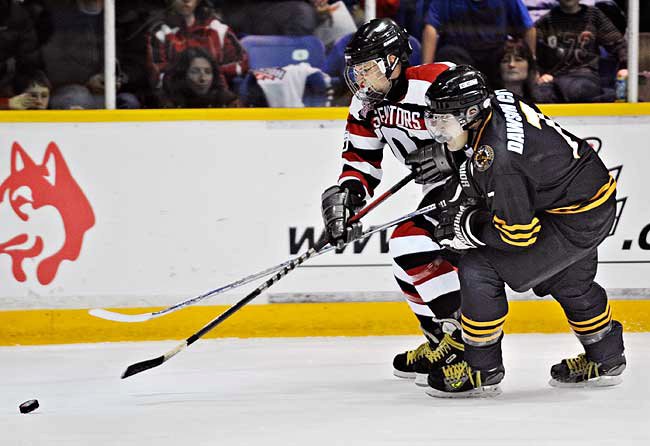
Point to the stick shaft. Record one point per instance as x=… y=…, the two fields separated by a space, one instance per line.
x=380 y=199
x=119 y=317
x=318 y=249
x=312 y=252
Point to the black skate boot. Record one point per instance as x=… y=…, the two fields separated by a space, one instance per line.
x=404 y=363
x=580 y=372
x=450 y=350
x=601 y=365
x=460 y=381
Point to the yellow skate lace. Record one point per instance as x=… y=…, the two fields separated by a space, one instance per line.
x=455 y=372
x=439 y=353
x=444 y=347
x=414 y=355
x=592 y=371
x=580 y=365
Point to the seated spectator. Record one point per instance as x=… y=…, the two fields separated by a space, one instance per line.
x=568 y=53
x=275 y=17
x=74 y=97
x=611 y=8
x=124 y=100
x=191 y=23
x=133 y=20
x=34 y=93
x=22 y=101
x=518 y=70
x=18 y=45
x=474 y=31
x=38 y=87
x=194 y=82
x=74 y=55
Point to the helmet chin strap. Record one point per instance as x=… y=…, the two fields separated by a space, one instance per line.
x=398 y=86
x=472 y=135
x=391 y=66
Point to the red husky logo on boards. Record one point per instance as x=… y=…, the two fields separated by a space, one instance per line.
x=43 y=214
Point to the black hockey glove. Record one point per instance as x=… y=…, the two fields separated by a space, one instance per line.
x=454 y=229
x=338 y=205
x=431 y=163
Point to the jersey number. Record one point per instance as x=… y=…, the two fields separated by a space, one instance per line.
x=399 y=142
x=534 y=118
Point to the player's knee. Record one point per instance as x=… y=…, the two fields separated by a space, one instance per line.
x=474 y=271
x=558 y=287
x=583 y=299
x=408 y=240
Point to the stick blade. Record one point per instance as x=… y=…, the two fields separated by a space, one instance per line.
x=138 y=367
x=119 y=317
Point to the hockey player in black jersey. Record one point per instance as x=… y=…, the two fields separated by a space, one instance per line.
x=388 y=109
x=532 y=205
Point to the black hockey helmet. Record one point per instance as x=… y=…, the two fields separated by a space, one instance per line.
x=461 y=91
x=375 y=41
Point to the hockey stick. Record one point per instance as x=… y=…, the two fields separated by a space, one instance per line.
x=142 y=317
x=316 y=250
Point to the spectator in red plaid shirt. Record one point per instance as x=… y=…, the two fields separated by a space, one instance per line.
x=191 y=23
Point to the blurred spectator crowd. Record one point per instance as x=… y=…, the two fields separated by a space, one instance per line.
x=289 y=53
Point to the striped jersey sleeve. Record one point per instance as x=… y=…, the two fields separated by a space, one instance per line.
x=362 y=153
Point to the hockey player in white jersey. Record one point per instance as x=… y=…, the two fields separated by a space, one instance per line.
x=388 y=108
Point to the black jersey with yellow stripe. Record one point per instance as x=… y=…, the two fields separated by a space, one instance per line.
x=525 y=165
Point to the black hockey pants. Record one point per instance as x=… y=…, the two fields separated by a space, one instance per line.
x=562 y=263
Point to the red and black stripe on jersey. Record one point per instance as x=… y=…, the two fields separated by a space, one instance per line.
x=362 y=156
x=400 y=124
x=422 y=269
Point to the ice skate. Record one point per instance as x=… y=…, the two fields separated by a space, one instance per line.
x=600 y=366
x=449 y=351
x=580 y=372
x=404 y=364
x=460 y=381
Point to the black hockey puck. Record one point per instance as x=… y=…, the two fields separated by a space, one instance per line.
x=28 y=406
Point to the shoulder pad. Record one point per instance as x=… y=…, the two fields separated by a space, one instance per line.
x=427 y=72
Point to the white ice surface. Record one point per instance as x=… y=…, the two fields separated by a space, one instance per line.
x=307 y=392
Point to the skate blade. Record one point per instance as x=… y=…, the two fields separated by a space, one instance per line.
x=422 y=379
x=601 y=381
x=404 y=375
x=481 y=392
